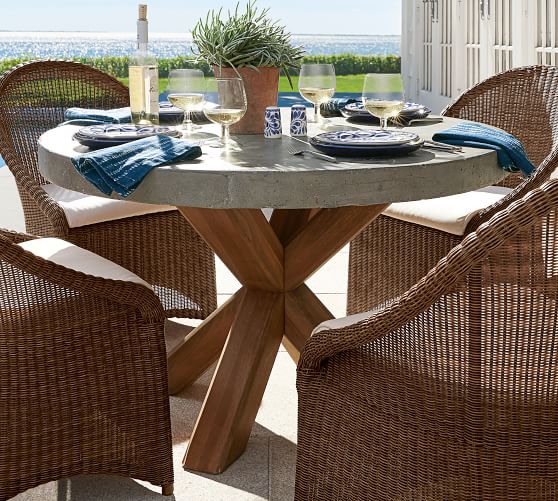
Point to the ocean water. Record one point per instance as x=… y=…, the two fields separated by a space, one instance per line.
x=80 y=44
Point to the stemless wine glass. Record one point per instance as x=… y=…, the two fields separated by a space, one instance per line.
x=316 y=84
x=383 y=96
x=225 y=104
x=186 y=89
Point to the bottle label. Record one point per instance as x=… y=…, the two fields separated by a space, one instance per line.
x=144 y=94
x=142 y=32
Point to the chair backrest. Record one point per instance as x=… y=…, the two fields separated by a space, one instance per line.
x=33 y=98
x=522 y=101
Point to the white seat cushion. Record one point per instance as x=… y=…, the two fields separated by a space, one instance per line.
x=71 y=256
x=339 y=323
x=81 y=210
x=450 y=214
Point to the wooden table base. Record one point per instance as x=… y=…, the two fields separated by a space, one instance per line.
x=271 y=260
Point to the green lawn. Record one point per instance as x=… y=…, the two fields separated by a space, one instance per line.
x=345 y=83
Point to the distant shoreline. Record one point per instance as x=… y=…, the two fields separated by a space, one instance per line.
x=344 y=35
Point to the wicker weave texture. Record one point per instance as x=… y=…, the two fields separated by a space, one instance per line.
x=161 y=248
x=81 y=393
x=390 y=255
x=451 y=391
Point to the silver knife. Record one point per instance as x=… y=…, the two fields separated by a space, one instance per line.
x=316 y=154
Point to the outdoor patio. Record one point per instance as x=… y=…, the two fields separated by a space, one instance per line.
x=266 y=471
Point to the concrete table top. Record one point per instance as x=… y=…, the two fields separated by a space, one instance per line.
x=264 y=174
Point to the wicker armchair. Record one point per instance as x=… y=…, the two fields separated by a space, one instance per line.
x=392 y=254
x=161 y=247
x=83 y=374
x=451 y=391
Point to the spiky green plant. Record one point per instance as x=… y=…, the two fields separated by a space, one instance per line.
x=248 y=38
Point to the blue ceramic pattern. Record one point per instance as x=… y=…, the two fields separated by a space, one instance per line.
x=273 y=128
x=102 y=136
x=113 y=131
x=366 y=137
x=366 y=151
x=299 y=122
x=409 y=109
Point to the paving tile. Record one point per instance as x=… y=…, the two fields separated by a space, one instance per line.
x=336 y=303
x=226 y=281
x=277 y=413
x=11 y=213
x=332 y=276
x=282 y=469
x=245 y=480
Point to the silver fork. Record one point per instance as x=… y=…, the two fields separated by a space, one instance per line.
x=316 y=154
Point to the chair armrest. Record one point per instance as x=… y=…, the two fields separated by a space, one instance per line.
x=541 y=175
x=438 y=282
x=15 y=236
x=126 y=293
x=47 y=206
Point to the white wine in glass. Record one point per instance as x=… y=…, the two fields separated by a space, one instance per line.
x=316 y=84
x=225 y=104
x=383 y=96
x=186 y=89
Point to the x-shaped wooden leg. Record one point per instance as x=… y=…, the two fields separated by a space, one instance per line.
x=271 y=260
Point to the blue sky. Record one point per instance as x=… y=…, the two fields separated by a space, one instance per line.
x=374 y=17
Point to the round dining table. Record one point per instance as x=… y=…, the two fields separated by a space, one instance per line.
x=319 y=207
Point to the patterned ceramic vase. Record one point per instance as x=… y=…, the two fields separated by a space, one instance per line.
x=273 y=128
x=298 y=120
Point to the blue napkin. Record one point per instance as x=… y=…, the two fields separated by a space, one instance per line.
x=334 y=106
x=122 y=168
x=512 y=156
x=115 y=116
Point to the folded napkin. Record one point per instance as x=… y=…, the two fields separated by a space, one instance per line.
x=115 y=116
x=512 y=156
x=334 y=106
x=122 y=168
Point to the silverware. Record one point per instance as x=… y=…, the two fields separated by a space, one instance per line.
x=442 y=146
x=83 y=121
x=425 y=121
x=312 y=152
x=316 y=154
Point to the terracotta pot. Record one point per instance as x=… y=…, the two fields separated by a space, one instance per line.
x=262 y=88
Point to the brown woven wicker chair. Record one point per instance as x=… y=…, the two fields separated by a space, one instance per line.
x=83 y=374
x=451 y=391
x=160 y=247
x=393 y=254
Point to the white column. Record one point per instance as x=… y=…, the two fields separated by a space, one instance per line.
x=410 y=50
x=459 y=47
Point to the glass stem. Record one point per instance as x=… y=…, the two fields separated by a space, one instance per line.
x=225 y=135
x=383 y=123
x=317 y=113
x=187 y=123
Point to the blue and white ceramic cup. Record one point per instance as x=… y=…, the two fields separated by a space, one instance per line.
x=273 y=128
x=299 y=124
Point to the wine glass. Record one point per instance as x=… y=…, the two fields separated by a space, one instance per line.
x=186 y=89
x=383 y=96
x=225 y=104
x=316 y=84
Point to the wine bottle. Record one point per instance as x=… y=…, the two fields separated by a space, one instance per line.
x=143 y=76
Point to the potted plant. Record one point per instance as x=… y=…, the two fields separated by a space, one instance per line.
x=249 y=45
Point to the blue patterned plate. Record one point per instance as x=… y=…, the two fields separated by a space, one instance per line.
x=367 y=138
x=409 y=109
x=340 y=150
x=128 y=132
x=105 y=135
